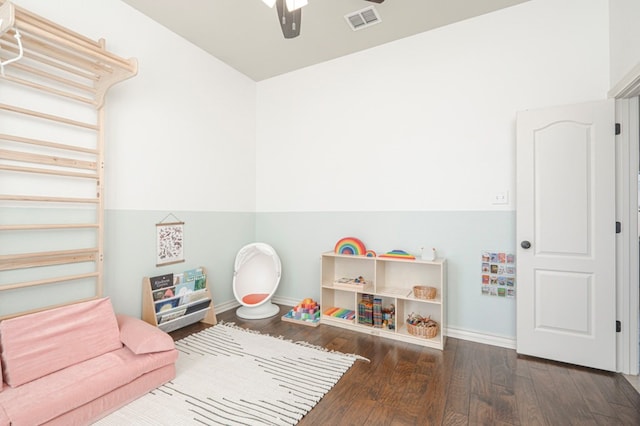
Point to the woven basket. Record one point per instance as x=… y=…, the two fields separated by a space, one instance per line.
x=424 y=292
x=426 y=332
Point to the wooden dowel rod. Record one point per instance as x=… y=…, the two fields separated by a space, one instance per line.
x=28 y=54
x=47 y=254
x=38 y=263
x=39 y=21
x=47 y=172
x=48 y=117
x=94 y=53
x=49 y=160
x=47 y=89
x=44 y=226
x=52 y=77
x=49 y=199
x=49 y=144
x=48 y=281
x=55 y=52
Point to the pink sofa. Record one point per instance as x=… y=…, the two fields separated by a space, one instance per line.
x=75 y=364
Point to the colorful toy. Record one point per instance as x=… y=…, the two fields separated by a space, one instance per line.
x=370 y=253
x=350 y=245
x=351 y=283
x=306 y=312
x=346 y=314
x=398 y=254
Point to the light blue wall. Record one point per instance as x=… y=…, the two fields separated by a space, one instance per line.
x=213 y=239
x=210 y=240
x=459 y=236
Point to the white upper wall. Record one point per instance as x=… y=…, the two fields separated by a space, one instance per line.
x=424 y=123
x=181 y=134
x=624 y=18
x=427 y=122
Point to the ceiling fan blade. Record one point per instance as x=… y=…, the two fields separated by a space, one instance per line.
x=290 y=22
x=376 y=1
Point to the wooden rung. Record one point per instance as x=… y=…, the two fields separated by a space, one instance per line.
x=44 y=199
x=27 y=16
x=48 y=281
x=27 y=54
x=40 y=254
x=52 y=51
x=47 y=89
x=66 y=37
x=49 y=160
x=97 y=53
x=45 y=226
x=43 y=88
x=10 y=262
x=44 y=116
x=36 y=263
x=49 y=144
x=48 y=172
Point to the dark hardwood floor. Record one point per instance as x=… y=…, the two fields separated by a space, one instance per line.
x=466 y=384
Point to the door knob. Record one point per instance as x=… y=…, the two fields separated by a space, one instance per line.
x=525 y=244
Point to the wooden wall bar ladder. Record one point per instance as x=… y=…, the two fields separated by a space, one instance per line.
x=52 y=87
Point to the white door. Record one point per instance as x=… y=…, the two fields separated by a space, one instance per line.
x=566 y=234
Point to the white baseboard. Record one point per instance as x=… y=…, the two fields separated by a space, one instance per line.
x=226 y=306
x=232 y=304
x=472 y=336
x=487 y=339
x=286 y=301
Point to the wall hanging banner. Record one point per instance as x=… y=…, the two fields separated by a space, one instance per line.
x=169 y=241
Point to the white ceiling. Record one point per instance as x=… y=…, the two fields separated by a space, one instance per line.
x=246 y=34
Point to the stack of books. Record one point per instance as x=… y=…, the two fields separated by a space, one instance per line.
x=365 y=310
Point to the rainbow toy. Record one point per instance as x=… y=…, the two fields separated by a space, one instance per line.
x=398 y=254
x=370 y=253
x=350 y=245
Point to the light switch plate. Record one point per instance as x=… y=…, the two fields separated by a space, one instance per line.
x=501 y=197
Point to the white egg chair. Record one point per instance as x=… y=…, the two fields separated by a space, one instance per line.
x=256 y=276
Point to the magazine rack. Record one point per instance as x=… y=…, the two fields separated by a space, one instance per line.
x=172 y=301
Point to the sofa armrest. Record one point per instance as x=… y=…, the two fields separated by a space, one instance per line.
x=141 y=337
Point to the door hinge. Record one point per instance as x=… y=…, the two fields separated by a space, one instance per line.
x=618 y=129
x=618 y=326
x=618 y=227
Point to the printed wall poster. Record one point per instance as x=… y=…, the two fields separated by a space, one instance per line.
x=498 y=274
x=169 y=242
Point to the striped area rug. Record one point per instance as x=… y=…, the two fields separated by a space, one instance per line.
x=227 y=375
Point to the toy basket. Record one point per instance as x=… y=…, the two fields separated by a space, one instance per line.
x=422 y=327
x=424 y=292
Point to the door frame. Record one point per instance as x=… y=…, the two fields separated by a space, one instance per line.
x=626 y=93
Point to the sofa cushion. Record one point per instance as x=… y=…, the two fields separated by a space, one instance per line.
x=108 y=403
x=4 y=418
x=50 y=396
x=142 y=337
x=37 y=344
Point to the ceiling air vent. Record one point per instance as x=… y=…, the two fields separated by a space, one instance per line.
x=363 y=18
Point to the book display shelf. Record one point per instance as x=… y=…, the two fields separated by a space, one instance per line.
x=172 y=301
x=375 y=295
